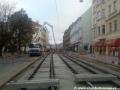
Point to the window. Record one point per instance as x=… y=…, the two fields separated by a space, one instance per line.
x=103 y=29
x=114 y=5
x=99 y=15
x=98 y=30
x=115 y=25
x=103 y=1
x=110 y=27
x=103 y=13
x=109 y=9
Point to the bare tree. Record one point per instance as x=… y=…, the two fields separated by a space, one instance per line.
x=6 y=9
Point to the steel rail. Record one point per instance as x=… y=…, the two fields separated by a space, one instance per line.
x=115 y=73
x=37 y=68
x=52 y=72
x=35 y=71
x=74 y=71
x=88 y=66
x=76 y=60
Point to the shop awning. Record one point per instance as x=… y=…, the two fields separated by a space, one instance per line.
x=100 y=43
x=113 y=42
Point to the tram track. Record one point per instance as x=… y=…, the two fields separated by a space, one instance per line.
x=111 y=66
x=89 y=69
x=41 y=76
x=72 y=69
x=98 y=66
x=52 y=72
x=36 y=69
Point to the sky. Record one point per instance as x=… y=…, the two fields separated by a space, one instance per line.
x=59 y=13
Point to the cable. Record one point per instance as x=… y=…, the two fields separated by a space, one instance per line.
x=57 y=13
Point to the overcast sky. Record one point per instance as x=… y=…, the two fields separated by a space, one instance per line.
x=59 y=13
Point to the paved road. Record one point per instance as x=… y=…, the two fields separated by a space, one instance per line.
x=10 y=66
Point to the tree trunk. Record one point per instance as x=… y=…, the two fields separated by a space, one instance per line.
x=19 y=48
x=24 y=49
x=1 y=47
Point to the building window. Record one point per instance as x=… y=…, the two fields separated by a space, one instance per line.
x=110 y=27
x=114 y=5
x=98 y=30
x=99 y=15
x=103 y=29
x=103 y=1
x=110 y=7
x=94 y=1
x=103 y=13
x=115 y=25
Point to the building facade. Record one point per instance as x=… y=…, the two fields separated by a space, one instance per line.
x=36 y=35
x=40 y=35
x=75 y=35
x=106 y=27
x=80 y=36
x=44 y=37
x=66 y=39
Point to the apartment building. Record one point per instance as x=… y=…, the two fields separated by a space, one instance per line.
x=44 y=37
x=40 y=35
x=66 y=39
x=75 y=35
x=106 y=27
x=36 y=35
x=80 y=36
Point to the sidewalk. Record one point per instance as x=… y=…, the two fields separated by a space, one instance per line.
x=101 y=58
x=10 y=67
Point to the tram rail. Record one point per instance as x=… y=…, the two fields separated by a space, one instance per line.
x=95 y=72
x=32 y=83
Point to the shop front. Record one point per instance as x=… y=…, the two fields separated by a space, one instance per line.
x=99 y=47
x=106 y=47
x=113 y=47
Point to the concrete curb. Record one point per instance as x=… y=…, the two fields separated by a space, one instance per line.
x=22 y=69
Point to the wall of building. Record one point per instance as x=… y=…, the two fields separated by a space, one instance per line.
x=75 y=32
x=107 y=13
x=40 y=35
x=44 y=38
x=80 y=36
x=86 y=24
x=36 y=35
x=66 y=39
